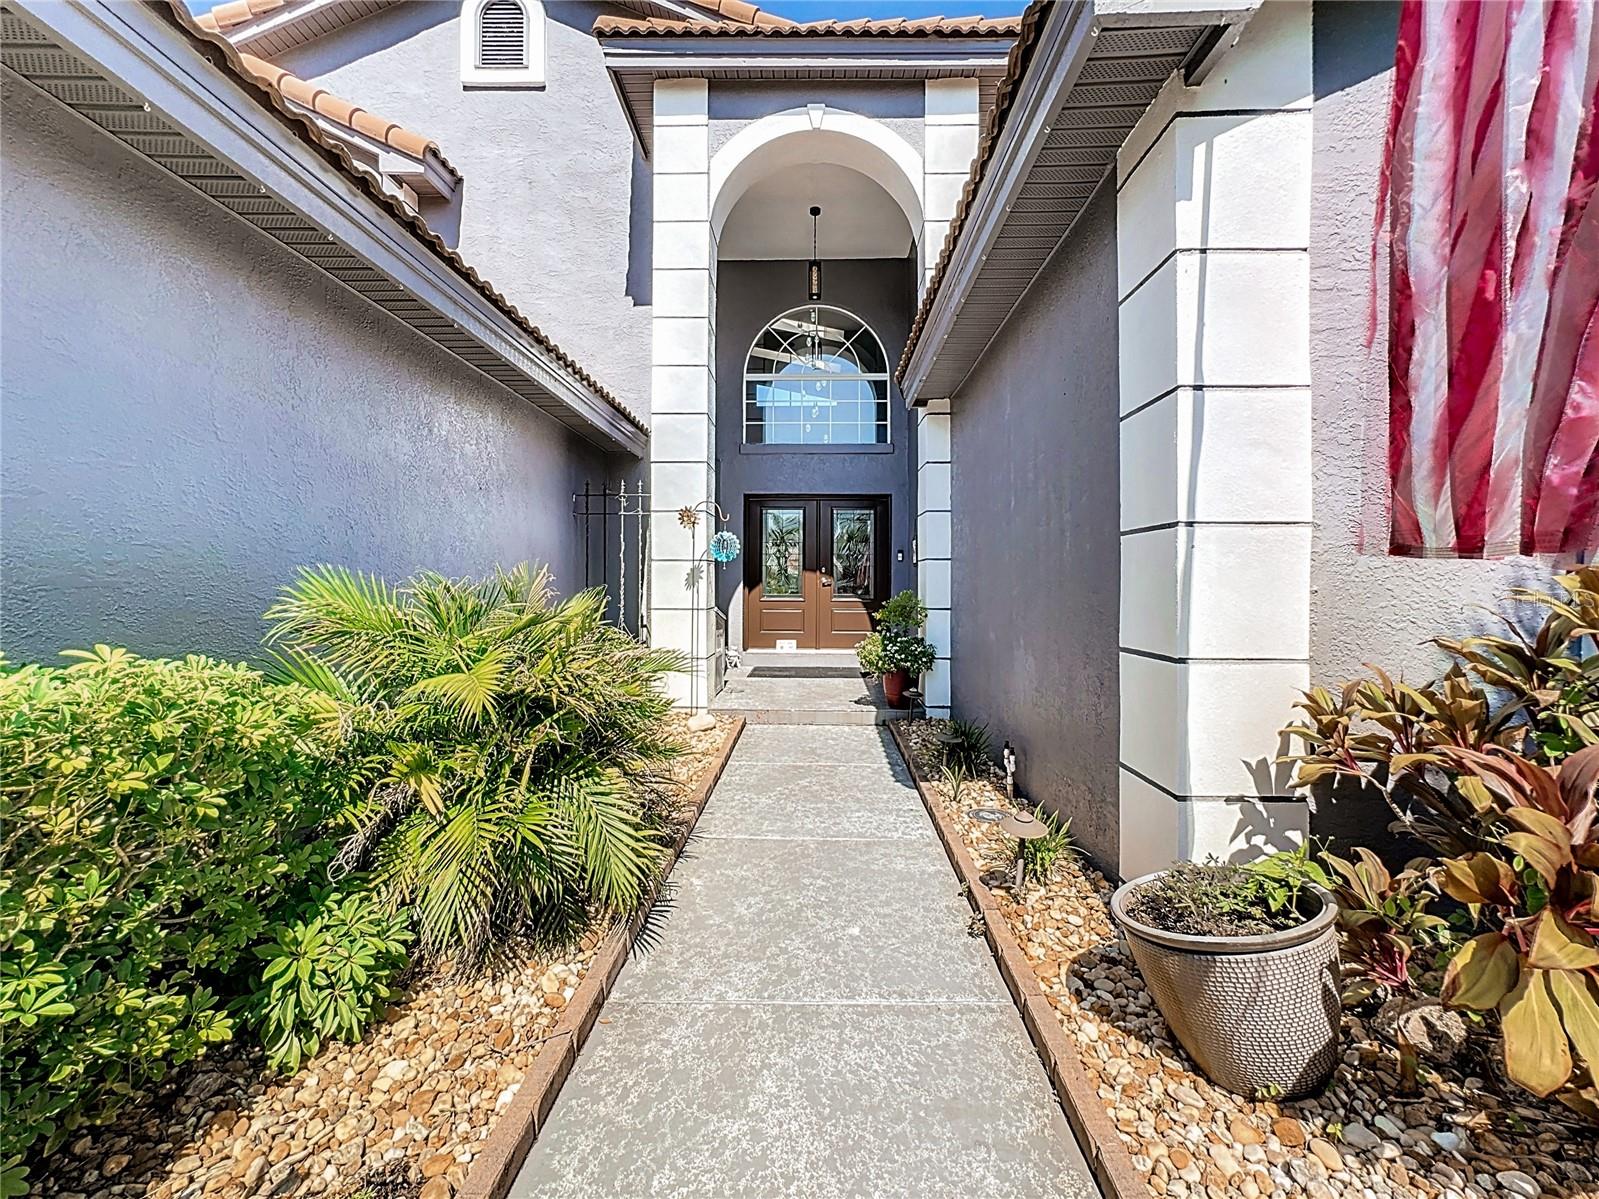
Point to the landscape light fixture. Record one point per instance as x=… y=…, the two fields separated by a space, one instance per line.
x=814 y=270
x=1021 y=826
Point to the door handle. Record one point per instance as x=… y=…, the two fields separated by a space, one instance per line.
x=827 y=581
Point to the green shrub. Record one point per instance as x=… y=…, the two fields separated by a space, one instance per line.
x=1498 y=780
x=326 y=976
x=904 y=611
x=890 y=649
x=155 y=814
x=503 y=750
x=1041 y=855
x=972 y=748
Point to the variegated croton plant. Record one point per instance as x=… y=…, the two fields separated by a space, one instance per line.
x=1504 y=794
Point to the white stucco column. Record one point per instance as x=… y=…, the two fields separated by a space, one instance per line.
x=951 y=116
x=933 y=545
x=1213 y=226
x=683 y=386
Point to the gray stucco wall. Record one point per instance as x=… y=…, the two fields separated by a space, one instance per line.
x=1036 y=554
x=1365 y=607
x=748 y=296
x=189 y=414
x=557 y=201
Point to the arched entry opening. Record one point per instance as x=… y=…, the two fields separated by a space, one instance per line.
x=806 y=457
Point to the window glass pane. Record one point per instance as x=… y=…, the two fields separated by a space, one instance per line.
x=782 y=543
x=816 y=376
x=854 y=538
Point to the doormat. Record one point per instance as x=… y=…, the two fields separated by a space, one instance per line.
x=804 y=672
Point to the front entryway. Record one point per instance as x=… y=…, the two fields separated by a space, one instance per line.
x=816 y=569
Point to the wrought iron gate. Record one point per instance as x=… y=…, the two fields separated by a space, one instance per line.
x=616 y=532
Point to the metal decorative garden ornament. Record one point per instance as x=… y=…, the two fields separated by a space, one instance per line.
x=723 y=548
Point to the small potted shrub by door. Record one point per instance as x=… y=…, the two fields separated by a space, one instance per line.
x=895 y=651
x=1243 y=964
x=896 y=656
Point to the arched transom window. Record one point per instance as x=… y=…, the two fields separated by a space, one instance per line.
x=816 y=376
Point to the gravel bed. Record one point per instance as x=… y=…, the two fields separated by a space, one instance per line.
x=1459 y=1137
x=398 y=1116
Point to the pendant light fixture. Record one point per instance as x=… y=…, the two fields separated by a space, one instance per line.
x=814 y=273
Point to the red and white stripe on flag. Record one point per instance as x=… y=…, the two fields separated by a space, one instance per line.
x=1488 y=182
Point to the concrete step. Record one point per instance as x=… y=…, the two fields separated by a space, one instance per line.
x=797 y=657
x=820 y=716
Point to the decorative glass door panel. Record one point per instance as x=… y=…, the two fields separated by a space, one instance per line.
x=782 y=552
x=854 y=553
x=855 y=570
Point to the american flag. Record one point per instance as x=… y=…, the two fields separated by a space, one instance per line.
x=1490 y=166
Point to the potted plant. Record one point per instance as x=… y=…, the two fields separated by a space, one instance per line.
x=1243 y=964
x=904 y=610
x=896 y=651
x=896 y=656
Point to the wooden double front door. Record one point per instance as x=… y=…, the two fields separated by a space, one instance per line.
x=816 y=567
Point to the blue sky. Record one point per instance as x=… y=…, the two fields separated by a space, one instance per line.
x=844 y=10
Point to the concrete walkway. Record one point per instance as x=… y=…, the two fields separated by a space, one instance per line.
x=811 y=1018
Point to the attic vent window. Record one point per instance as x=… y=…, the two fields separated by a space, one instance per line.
x=502 y=36
x=502 y=43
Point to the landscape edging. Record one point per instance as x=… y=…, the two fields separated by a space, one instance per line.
x=496 y=1164
x=1107 y=1156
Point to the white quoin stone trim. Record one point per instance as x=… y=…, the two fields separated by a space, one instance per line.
x=950 y=116
x=816 y=133
x=531 y=75
x=951 y=109
x=682 y=600
x=934 y=540
x=1212 y=238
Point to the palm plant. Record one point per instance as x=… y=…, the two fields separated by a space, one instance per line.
x=503 y=749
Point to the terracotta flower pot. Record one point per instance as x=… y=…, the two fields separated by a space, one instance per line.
x=1259 y=1014
x=894 y=683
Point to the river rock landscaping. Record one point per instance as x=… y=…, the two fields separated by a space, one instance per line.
x=398 y=1115
x=1461 y=1135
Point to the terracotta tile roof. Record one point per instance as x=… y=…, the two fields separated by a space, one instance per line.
x=236 y=12
x=217 y=51
x=763 y=25
x=742 y=13
x=1031 y=21
x=341 y=112
x=229 y=16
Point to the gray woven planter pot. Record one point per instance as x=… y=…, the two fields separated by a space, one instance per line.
x=1259 y=1014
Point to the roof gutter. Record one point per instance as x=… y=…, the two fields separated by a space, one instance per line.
x=154 y=59
x=1063 y=46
